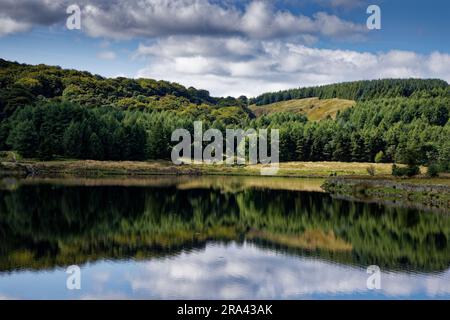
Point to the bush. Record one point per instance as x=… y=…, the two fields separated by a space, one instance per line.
x=433 y=170
x=379 y=157
x=409 y=171
x=397 y=171
x=371 y=170
x=9 y=156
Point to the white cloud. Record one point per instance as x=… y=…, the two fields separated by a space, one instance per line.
x=235 y=66
x=230 y=49
x=9 y=26
x=106 y=55
x=260 y=20
x=126 y=19
x=247 y=272
x=20 y=17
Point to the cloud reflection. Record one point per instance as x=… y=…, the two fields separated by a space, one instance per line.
x=247 y=272
x=220 y=271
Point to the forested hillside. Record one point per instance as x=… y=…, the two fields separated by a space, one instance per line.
x=48 y=112
x=357 y=90
x=404 y=130
x=22 y=84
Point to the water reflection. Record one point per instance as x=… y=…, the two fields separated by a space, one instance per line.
x=213 y=238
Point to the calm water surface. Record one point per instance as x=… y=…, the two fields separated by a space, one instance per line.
x=213 y=238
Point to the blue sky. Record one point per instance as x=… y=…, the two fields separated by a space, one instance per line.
x=233 y=47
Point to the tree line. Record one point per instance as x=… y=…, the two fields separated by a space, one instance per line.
x=105 y=120
x=403 y=130
x=356 y=90
x=22 y=84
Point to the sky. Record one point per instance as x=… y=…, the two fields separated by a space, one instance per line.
x=232 y=47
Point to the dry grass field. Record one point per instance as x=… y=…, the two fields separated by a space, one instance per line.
x=313 y=108
x=136 y=168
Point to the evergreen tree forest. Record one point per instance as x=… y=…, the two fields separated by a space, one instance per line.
x=48 y=112
x=356 y=90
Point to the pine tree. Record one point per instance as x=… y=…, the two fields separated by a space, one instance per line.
x=24 y=139
x=72 y=141
x=95 y=147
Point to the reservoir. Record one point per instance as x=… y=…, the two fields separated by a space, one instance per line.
x=214 y=238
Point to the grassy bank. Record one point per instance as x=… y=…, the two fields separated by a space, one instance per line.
x=415 y=192
x=348 y=180
x=136 y=168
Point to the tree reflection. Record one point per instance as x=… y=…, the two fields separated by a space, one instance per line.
x=47 y=225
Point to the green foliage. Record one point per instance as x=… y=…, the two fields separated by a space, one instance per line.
x=379 y=157
x=23 y=138
x=68 y=130
x=79 y=115
x=433 y=170
x=358 y=90
x=95 y=147
x=72 y=140
x=25 y=84
x=408 y=171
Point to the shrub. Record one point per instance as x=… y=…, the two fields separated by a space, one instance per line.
x=409 y=171
x=396 y=171
x=9 y=156
x=371 y=170
x=433 y=170
x=379 y=157
x=412 y=170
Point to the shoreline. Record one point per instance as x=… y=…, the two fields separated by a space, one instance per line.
x=31 y=167
x=342 y=180
x=415 y=193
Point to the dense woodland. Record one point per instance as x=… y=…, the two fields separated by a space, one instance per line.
x=48 y=112
x=357 y=90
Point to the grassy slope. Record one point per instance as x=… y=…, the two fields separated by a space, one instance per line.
x=90 y=167
x=314 y=108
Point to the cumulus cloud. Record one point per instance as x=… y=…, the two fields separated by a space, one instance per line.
x=260 y=21
x=235 y=66
x=41 y=12
x=226 y=48
x=155 y=18
x=22 y=17
x=9 y=26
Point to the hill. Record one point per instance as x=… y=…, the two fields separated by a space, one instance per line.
x=313 y=108
x=357 y=90
x=23 y=84
x=47 y=112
